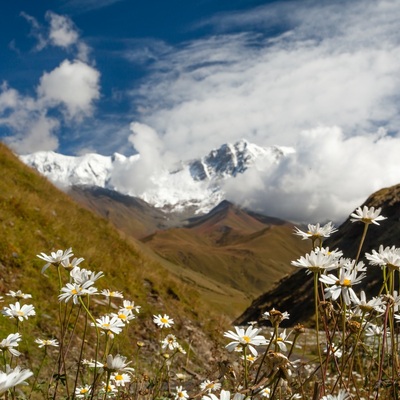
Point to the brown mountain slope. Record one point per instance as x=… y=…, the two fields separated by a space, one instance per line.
x=232 y=247
x=134 y=217
x=129 y=214
x=229 y=255
x=295 y=292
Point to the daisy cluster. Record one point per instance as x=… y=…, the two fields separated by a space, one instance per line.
x=102 y=375
x=355 y=345
x=353 y=352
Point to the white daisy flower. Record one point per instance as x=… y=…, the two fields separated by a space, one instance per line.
x=170 y=342
x=13 y=377
x=375 y=330
x=210 y=386
x=367 y=215
x=342 y=395
x=249 y=358
x=245 y=338
x=16 y=311
x=124 y=315
x=109 y=325
x=110 y=389
x=364 y=306
x=316 y=231
x=265 y=392
x=388 y=256
x=120 y=379
x=70 y=265
x=74 y=291
x=163 y=321
x=118 y=364
x=47 y=342
x=55 y=258
x=224 y=395
x=83 y=391
x=130 y=305
x=10 y=342
x=84 y=277
x=282 y=341
x=180 y=393
x=316 y=261
x=94 y=364
x=19 y=295
x=110 y=293
x=342 y=285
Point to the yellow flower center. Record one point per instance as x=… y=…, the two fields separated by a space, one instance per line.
x=84 y=390
x=180 y=394
x=164 y=320
x=122 y=316
x=346 y=282
x=246 y=339
x=119 y=377
x=106 y=326
x=20 y=313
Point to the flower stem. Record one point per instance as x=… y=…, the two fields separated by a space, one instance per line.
x=366 y=225
x=317 y=326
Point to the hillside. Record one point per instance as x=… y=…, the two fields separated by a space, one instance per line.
x=244 y=251
x=36 y=217
x=129 y=214
x=295 y=292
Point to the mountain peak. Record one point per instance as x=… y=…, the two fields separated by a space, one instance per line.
x=195 y=184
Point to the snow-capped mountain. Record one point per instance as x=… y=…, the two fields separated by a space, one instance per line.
x=196 y=183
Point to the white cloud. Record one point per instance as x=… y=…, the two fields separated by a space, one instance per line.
x=138 y=177
x=328 y=176
x=64 y=96
x=32 y=129
x=74 y=85
x=88 y=5
x=224 y=89
x=72 y=88
x=39 y=137
x=62 y=30
x=328 y=65
x=36 y=31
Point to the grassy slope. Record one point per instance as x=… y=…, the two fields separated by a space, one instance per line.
x=36 y=217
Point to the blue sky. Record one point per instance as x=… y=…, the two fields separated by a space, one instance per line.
x=122 y=40
x=174 y=79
